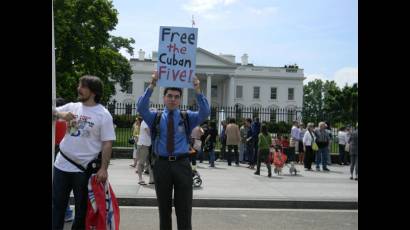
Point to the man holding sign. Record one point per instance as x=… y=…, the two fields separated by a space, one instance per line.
x=171 y=128
x=176 y=56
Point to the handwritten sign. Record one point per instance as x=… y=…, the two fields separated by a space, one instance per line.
x=177 y=56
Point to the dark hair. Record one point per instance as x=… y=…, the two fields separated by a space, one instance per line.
x=249 y=120
x=264 y=129
x=60 y=101
x=212 y=124
x=94 y=84
x=173 y=88
x=232 y=120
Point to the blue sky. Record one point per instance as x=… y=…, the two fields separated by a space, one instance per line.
x=321 y=36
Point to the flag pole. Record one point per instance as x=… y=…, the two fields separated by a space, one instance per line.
x=53 y=91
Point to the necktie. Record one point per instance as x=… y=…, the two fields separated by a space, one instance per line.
x=170 y=133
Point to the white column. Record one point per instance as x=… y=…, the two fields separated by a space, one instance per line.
x=185 y=96
x=231 y=96
x=208 y=88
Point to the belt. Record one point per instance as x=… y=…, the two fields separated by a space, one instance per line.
x=173 y=158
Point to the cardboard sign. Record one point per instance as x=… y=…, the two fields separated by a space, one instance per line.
x=177 y=56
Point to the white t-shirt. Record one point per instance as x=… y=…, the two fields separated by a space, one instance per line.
x=144 y=137
x=83 y=143
x=307 y=138
x=342 y=136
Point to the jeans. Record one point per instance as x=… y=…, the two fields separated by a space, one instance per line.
x=235 y=149
x=63 y=182
x=250 y=153
x=212 y=157
x=342 y=154
x=321 y=157
x=242 y=151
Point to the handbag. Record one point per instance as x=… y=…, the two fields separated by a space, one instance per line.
x=315 y=147
x=92 y=167
x=347 y=147
x=131 y=140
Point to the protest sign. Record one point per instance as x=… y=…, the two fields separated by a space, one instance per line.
x=177 y=56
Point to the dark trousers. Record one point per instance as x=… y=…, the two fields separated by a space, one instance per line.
x=255 y=151
x=250 y=153
x=223 y=150
x=177 y=176
x=342 y=154
x=309 y=157
x=263 y=156
x=63 y=182
x=236 y=154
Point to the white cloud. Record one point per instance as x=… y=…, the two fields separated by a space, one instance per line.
x=345 y=75
x=264 y=11
x=202 y=6
x=342 y=76
x=313 y=76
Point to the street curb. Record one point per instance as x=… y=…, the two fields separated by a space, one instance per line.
x=232 y=203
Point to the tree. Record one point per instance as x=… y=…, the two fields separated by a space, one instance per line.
x=325 y=101
x=84 y=46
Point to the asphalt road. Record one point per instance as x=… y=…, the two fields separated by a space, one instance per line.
x=146 y=218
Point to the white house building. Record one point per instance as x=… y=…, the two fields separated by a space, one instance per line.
x=224 y=82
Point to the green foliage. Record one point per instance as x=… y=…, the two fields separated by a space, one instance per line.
x=84 y=46
x=325 y=101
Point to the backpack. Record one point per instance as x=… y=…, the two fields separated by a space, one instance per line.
x=155 y=129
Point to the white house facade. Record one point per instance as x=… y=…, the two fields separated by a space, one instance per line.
x=224 y=82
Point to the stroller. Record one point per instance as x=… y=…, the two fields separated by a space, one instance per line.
x=196 y=177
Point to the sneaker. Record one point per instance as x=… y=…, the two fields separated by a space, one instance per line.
x=317 y=169
x=351 y=178
x=257 y=173
x=356 y=178
x=151 y=182
x=68 y=216
x=326 y=169
x=269 y=174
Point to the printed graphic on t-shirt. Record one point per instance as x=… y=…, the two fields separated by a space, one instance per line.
x=80 y=127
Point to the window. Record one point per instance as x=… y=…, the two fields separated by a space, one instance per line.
x=214 y=92
x=291 y=94
x=239 y=91
x=273 y=93
x=129 y=89
x=256 y=92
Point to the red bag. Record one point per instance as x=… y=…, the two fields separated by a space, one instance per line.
x=101 y=218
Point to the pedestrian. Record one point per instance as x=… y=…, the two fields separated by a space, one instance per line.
x=329 y=131
x=302 y=132
x=342 y=139
x=91 y=134
x=144 y=143
x=256 y=128
x=233 y=138
x=172 y=169
x=222 y=139
x=135 y=135
x=61 y=128
x=322 y=140
x=308 y=140
x=196 y=144
x=210 y=141
x=250 y=146
x=354 y=157
x=243 y=131
x=264 y=144
x=294 y=139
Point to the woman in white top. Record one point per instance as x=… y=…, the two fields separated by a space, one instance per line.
x=308 y=140
x=342 y=136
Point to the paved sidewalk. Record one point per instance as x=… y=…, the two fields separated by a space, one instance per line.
x=233 y=186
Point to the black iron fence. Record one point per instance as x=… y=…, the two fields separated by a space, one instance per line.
x=279 y=120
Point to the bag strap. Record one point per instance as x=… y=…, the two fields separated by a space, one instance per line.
x=184 y=117
x=72 y=162
x=313 y=139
